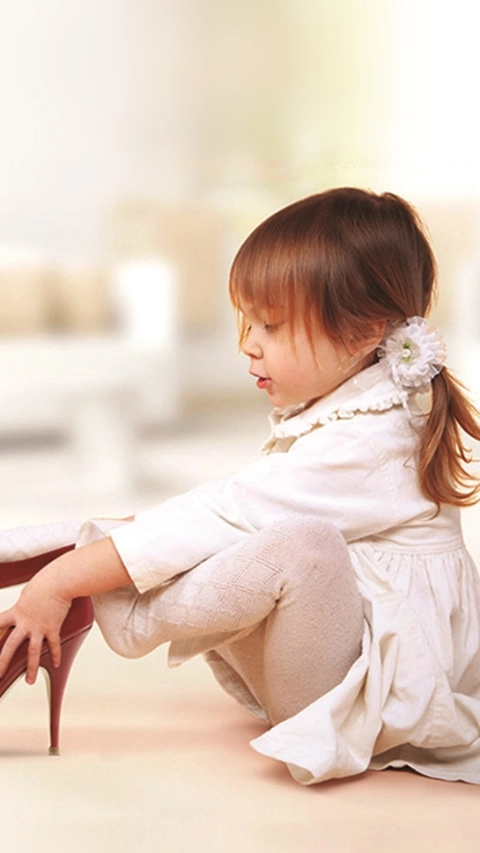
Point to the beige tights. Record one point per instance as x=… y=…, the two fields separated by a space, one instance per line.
x=278 y=615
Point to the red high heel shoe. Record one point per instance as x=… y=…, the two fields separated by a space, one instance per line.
x=21 y=571
x=76 y=626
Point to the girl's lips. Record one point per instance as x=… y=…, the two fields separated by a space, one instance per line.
x=263 y=382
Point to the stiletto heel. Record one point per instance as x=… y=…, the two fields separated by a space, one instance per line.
x=75 y=628
x=57 y=680
x=21 y=571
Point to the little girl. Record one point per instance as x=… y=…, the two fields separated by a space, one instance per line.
x=327 y=584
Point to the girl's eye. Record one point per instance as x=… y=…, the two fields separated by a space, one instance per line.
x=270 y=328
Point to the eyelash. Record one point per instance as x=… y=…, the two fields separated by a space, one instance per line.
x=269 y=328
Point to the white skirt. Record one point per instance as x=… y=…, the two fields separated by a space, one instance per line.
x=413 y=696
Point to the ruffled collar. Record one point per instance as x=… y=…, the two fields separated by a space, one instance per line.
x=371 y=390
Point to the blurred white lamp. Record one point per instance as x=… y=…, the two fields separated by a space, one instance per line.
x=146 y=293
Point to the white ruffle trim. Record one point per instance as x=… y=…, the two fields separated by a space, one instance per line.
x=368 y=391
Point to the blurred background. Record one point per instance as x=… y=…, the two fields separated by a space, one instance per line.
x=141 y=140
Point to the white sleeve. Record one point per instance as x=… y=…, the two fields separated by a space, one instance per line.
x=337 y=474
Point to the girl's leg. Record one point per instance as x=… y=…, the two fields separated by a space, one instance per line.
x=311 y=638
x=281 y=608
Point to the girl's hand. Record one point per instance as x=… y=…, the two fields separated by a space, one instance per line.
x=38 y=614
x=45 y=601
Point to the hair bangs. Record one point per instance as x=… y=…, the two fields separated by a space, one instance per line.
x=269 y=273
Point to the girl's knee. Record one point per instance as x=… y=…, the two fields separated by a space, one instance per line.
x=312 y=529
x=307 y=542
x=307 y=529
x=315 y=562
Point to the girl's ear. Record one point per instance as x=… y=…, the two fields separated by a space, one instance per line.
x=376 y=334
x=370 y=340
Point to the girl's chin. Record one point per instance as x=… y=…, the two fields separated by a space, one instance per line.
x=281 y=402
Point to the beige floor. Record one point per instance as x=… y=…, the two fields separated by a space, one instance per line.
x=156 y=759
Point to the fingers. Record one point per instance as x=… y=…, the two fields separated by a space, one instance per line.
x=10 y=642
x=35 y=649
x=35 y=646
x=55 y=648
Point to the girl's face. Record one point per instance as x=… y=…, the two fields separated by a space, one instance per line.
x=286 y=366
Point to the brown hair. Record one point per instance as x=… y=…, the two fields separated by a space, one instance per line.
x=340 y=261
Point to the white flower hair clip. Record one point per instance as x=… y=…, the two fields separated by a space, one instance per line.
x=413 y=353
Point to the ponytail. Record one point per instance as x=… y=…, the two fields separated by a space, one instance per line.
x=443 y=456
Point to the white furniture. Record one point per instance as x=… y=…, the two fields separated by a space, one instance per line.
x=97 y=391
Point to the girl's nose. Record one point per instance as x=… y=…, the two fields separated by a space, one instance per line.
x=250 y=347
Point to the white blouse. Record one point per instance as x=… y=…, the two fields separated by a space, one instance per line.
x=349 y=459
x=413 y=696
